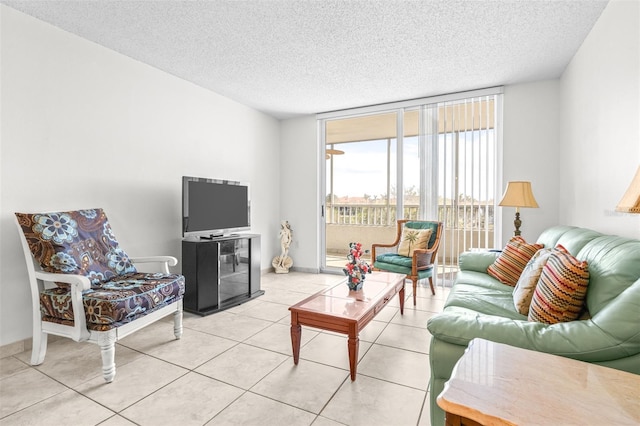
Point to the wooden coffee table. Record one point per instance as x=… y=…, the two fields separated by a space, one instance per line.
x=342 y=311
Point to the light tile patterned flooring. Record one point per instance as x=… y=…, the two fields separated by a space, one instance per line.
x=235 y=368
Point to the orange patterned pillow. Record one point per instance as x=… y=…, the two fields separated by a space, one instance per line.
x=511 y=262
x=561 y=289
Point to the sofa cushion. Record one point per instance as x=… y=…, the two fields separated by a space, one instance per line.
x=561 y=290
x=509 y=265
x=526 y=285
x=76 y=242
x=477 y=300
x=480 y=279
x=570 y=237
x=114 y=302
x=413 y=239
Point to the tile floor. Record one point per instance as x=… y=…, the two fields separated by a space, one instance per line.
x=235 y=367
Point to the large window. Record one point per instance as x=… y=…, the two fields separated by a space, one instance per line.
x=431 y=159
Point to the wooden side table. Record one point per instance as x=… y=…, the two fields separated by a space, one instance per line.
x=497 y=384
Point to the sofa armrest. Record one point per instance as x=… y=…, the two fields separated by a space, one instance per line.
x=582 y=340
x=477 y=261
x=621 y=318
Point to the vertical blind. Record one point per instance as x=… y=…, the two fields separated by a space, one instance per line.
x=463 y=139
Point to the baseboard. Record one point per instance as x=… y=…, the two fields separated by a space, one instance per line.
x=15 y=348
x=23 y=345
x=306 y=270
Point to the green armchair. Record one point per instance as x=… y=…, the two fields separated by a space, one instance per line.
x=420 y=264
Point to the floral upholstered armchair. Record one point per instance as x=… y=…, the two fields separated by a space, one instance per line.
x=85 y=287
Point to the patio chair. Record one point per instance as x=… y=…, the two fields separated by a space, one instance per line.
x=85 y=287
x=412 y=253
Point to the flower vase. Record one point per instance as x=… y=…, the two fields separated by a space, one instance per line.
x=354 y=286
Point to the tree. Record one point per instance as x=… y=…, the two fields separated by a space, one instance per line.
x=330 y=197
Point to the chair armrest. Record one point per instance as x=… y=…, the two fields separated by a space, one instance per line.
x=170 y=260
x=77 y=285
x=77 y=282
x=380 y=246
x=423 y=258
x=163 y=261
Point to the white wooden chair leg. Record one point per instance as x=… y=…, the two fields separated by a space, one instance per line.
x=39 y=347
x=177 y=324
x=107 y=343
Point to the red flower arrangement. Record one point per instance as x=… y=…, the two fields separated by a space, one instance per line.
x=356 y=268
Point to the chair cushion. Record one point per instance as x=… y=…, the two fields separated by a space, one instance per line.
x=509 y=265
x=75 y=242
x=400 y=264
x=413 y=239
x=394 y=259
x=114 y=302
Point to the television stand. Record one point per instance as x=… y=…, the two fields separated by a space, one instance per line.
x=220 y=272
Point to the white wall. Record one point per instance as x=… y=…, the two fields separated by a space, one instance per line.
x=83 y=127
x=600 y=127
x=530 y=152
x=299 y=189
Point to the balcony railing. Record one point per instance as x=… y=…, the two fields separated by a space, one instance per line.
x=465 y=227
x=461 y=216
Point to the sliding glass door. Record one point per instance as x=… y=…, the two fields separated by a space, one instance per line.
x=360 y=182
x=433 y=159
x=466 y=151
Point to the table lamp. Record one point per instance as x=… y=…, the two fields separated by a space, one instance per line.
x=518 y=194
x=630 y=202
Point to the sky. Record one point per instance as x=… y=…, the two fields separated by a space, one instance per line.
x=362 y=168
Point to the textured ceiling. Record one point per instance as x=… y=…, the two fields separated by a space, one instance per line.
x=292 y=57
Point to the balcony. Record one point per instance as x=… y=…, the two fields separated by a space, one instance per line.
x=466 y=226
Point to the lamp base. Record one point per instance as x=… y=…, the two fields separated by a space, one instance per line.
x=517 y=224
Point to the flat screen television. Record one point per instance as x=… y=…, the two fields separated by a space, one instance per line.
x=213 y=207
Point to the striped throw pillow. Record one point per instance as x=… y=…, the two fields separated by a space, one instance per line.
x=561 y=290
x=511 y=262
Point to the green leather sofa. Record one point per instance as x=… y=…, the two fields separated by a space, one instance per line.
x=481 y=306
